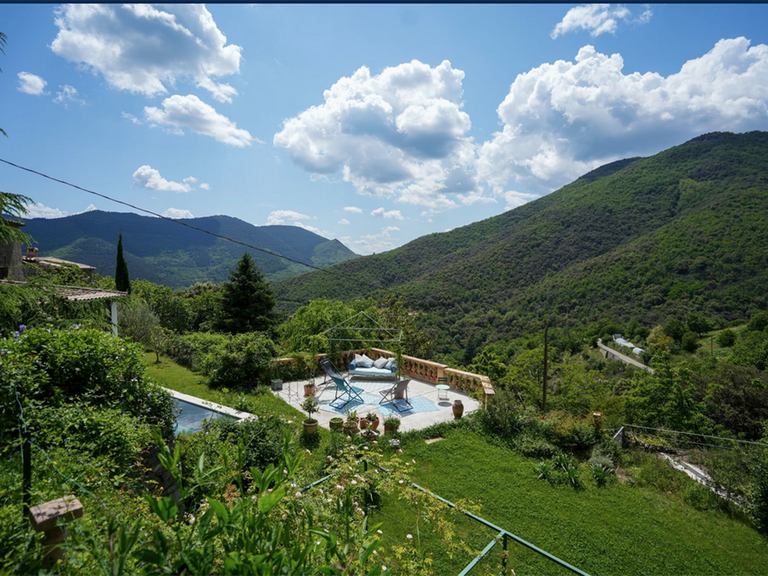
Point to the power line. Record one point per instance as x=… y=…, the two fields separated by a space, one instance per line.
x=100 y=195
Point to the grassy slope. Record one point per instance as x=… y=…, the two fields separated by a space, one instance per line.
x=181 y=379
x=683 y=230
x=615 y=530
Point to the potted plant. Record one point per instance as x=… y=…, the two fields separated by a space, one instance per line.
x=369 y=434
x=373 y=420
x=350 y=426
x=391 y=424
x=310 y=406
x=337 y=423
x=309 y=389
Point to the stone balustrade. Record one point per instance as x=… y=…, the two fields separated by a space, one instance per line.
x=425 y=370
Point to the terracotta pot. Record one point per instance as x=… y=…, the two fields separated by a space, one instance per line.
x=364 y=423
x=309 y=390
x=458 y=409
x=374 y=424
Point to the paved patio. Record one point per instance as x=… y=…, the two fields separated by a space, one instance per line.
x=428 y=409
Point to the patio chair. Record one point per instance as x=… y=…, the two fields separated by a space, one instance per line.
x=397 y=395
x=345 y=391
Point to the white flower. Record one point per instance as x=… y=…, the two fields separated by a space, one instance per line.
x=309 y=452
x=285 y=517
x=383 y=567
x=298 y=494
x=400 y=481
x=354 y=482
x=379 y=532
x=409 y=536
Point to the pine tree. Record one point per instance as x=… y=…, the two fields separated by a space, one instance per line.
x=247 y=300
x=122 y=278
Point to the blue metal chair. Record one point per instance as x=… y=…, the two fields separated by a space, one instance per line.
x=398 y=396
x=344 y=390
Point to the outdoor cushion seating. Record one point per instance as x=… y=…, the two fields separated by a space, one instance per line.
x=387 y=372
x=397 y=395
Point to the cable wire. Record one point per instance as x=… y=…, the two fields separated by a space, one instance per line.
x=193 y=227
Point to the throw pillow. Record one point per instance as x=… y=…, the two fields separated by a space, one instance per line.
x=365 y=362
x=381 y=363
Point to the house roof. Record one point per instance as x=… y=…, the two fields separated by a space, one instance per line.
x=51 y=262
x=80 y=293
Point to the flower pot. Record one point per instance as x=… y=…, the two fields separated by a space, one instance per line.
x=277 y=385
x=364 y=423
x=310 y=426
x=350 y=427
x=309 y=390
x=458 y=409
x=374 y=424
x=390 y=429
x=369 y=434
x=337 y=424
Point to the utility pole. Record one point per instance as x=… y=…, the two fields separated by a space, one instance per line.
x=544 y=387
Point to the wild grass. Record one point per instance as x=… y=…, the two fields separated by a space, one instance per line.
x=621 y=528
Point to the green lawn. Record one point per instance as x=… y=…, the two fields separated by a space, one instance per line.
x=615 y=530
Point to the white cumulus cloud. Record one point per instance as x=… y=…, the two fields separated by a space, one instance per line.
x=68 y=95
x=390 y=215
x=177 y=213
x=147 y=177
x=145 y=49
x=400 y=134
x=353 y=209
x=370 y=243
x=205 y=186
x=31 y=84
x=344 y=222
x=597 y=19
x=563 y=119
x=280 y=216
x=192 y=113
x=39 y=210
x=131 y=118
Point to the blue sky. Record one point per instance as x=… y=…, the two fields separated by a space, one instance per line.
x=373 y=124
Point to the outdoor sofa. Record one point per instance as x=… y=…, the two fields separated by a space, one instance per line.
x=366 y=367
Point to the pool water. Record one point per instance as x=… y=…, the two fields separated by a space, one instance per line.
x=192 y=416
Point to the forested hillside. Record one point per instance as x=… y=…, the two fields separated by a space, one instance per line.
x=176 y=256
x=646 y=238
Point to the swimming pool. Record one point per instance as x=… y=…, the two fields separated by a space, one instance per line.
x=192 y=416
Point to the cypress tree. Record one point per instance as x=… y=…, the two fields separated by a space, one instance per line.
x=122 y=278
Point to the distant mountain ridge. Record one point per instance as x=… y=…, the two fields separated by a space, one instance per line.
x=167 y=253
x=684 y=230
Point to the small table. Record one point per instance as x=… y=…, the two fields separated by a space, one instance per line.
x=442 y=391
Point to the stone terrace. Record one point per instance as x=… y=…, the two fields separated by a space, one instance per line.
x=422 y=391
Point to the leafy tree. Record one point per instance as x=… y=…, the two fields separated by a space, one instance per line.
x=726 y=338
x=122 y=278
x=247 y=300
x=171 y=309
x=698 y=323
x=674 y=329
x=395 y=314
x=141 y=324
x=203 y=300
x=12 y=206
x=690 y=342
x=758 y=320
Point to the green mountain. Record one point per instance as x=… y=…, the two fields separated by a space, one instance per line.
x=177 y=256
x=646 y=238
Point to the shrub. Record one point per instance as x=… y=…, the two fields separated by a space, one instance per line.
x=505 y=415
x=190 y=350
x=535 y=447
x=566 y=431
x=544 y=470
x=92 y=366
x=243 y=362
x=726 y=338
x=690 y=342
x=601 y=472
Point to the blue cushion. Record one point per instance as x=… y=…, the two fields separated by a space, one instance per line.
x=352 y=365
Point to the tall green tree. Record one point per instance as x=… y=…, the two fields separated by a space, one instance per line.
x=122 y=278
x=247 y=300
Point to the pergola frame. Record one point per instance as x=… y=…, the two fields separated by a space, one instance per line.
x=377 y=328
